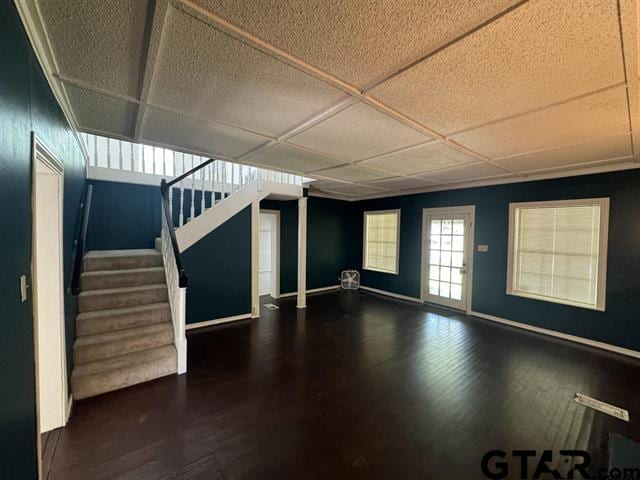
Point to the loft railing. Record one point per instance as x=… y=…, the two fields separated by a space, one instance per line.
x=122 y=156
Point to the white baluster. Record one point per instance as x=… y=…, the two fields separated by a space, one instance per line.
x=193 y=197
x=131 y=167
x=164 y=162
x=202 y=175
x=120 y=153
x=95 y=151
x=171 y=205
x=144 y=159
x=153 y=160
x=108 y=153
x=181 y=203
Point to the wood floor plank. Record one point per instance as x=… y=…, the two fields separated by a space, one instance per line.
x=354 y=386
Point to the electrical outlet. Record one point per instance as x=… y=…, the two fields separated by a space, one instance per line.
x=23 y=288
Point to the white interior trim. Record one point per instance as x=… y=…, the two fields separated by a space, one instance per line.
x=218 y=321
x=312 y=290
x=368 y=213
x=603 y=239
x=487 y=182
x=457 y=210
x=302 y=253
x=564 y=336
x=255 y=253
x=275 y=260
x=40 y=154
x=46 y=59
x=391 y=294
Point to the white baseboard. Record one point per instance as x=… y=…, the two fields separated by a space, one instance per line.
x=391 y=294
x=313 y=290
x=217 y=321
x=564 y=336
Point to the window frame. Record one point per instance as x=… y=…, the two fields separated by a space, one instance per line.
x=397 y=212
x=603 y=240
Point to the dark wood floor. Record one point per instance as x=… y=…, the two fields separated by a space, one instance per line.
x=355 y=386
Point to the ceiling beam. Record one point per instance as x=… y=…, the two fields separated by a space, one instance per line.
x=155 y=24
x=629 y=15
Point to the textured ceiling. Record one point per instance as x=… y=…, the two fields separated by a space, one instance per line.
x=371 y=98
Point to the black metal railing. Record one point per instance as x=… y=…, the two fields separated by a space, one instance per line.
x=167 y=209
x=79 y=243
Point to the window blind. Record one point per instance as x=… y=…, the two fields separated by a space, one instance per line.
x=381 y=241
x=556 y=253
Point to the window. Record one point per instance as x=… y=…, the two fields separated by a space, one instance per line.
x=558 y=251
x=381 y=234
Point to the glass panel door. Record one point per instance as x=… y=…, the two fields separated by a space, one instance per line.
x=446 y=238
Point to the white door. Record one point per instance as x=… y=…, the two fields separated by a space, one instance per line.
x=268 y=255
x=48 y=294
x=446 y=259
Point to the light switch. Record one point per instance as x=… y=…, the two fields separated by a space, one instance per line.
x=23 y=288
x=483 y=248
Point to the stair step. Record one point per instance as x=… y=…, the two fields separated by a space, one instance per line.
x=101 y=321
x=123 y=371
x=121 y=259
x=93 y=300
x=104 y=279
x=100 y=346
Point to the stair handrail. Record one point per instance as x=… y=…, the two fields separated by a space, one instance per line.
x=166 y=208
x=189 y=173
x=79 y=242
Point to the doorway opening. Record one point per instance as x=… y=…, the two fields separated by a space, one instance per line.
x=269 y=253
x=52 y=401
x=447 y=256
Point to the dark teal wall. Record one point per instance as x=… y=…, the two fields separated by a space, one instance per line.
x=26 y=104
x=219 y=270
x=127 y=216
x=123 y=216
x=219 y=266
x=618 y=325
x=334 y=240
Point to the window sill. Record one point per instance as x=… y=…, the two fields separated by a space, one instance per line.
x=598 y=308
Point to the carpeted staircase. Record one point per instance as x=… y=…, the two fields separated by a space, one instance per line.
x=124 y=333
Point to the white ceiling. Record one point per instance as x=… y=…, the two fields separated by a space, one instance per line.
x=371 y=98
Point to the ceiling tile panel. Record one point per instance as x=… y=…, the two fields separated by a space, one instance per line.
x=359 y=42
x=353 y=190
x=159 y=126
x=402 y=183
x=599 y=115
x=420 y=159
x=608 y=148
x=469 y=173
x=350 y=173
x=288 y=157
x=358 y=132
x=206 y=74
x=541 y=53
x=102 y=113
x=100 y=43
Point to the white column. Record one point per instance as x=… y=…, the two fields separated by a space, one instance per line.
x=302 y=253
x=255 y=272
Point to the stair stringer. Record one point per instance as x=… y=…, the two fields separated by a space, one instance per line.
x=189 y=234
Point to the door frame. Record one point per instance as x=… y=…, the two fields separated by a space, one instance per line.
x=275 y=259
x=40 y=153
x=455 y=210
